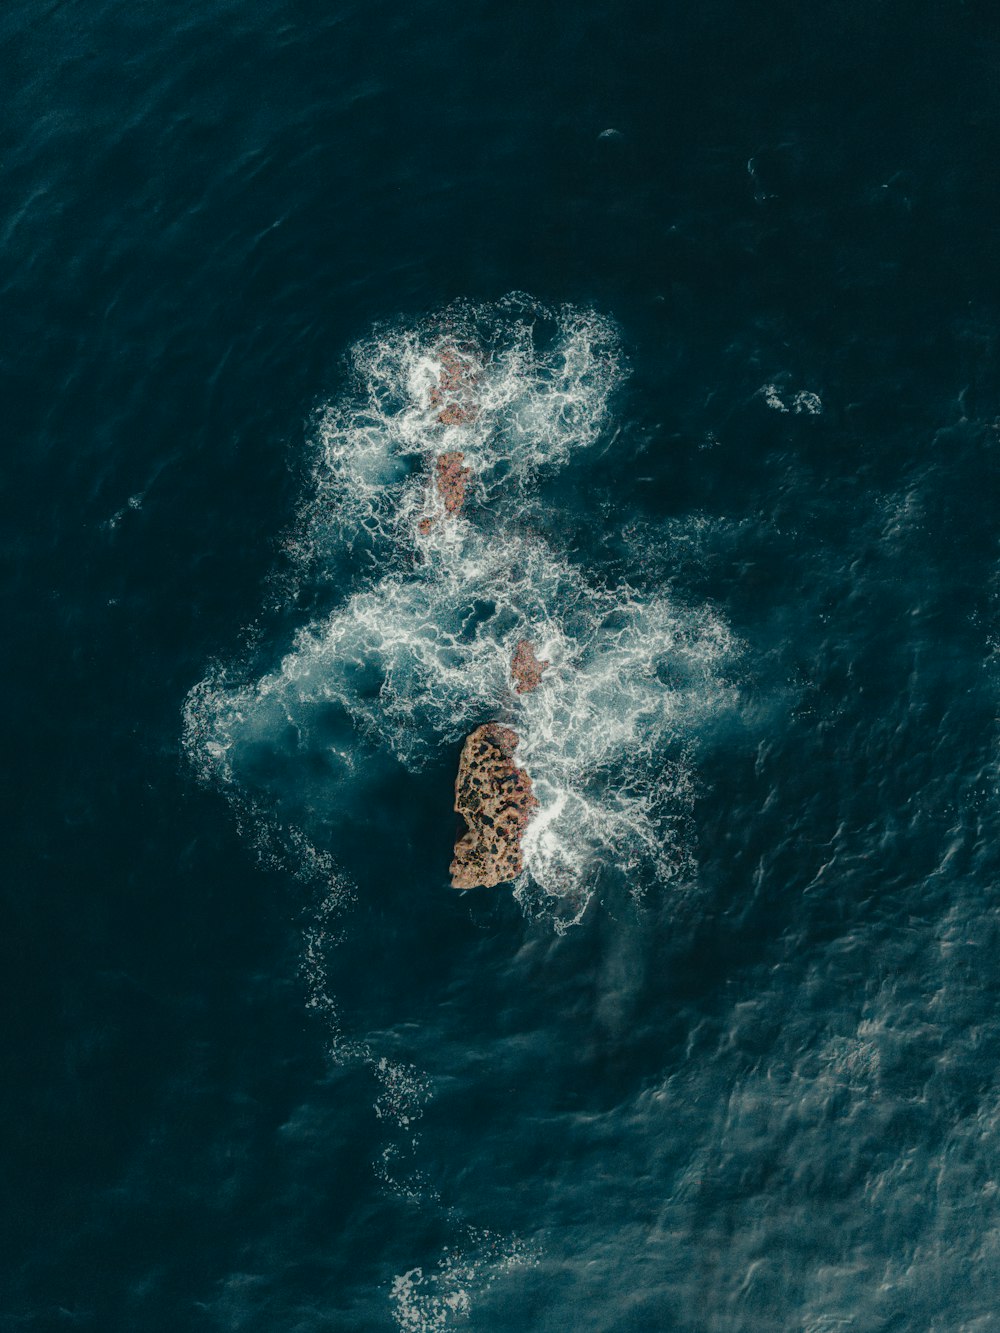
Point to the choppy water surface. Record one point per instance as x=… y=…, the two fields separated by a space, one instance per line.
x=725 y=1057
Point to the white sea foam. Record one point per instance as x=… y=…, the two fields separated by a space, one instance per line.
x=134 y=503
x=416 y=661
x=419 y=652
x=541 y=380
x=431 y=1300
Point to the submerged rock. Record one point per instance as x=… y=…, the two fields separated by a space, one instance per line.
x=495 y=799
x=526 y=667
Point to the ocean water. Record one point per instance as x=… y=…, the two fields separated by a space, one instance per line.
x=724 y=1059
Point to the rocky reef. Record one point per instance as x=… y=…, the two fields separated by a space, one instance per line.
x=526 y=667
x=495 y=799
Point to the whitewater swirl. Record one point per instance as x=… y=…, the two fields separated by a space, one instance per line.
x=415 y=648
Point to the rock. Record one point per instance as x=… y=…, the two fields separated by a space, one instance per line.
x=526 y=668
x=451 y=479
x=495 y=799
x=452 y=393
x=456 y=415
x=457 y=371
x=453 y=396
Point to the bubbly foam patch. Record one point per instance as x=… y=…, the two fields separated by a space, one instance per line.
x=416 y=661
x=427 y=1300
x=798 y=402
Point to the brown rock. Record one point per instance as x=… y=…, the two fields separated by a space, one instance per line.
x=456 y=415
x=495 y=799
x=526 y=668
x=451 y=479
x=452 y=393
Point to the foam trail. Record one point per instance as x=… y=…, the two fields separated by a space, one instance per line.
x=427 y=1301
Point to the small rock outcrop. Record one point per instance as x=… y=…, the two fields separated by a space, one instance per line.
x=526 y=667
x=452 y=393
x=452 y=396
x=495 y=799
x=451 y=478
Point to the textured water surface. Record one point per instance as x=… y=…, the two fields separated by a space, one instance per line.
x=725 y=1057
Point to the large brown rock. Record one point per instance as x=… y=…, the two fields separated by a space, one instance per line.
x=495 y=799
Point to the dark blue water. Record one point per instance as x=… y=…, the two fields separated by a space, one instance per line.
x=726 y=1058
